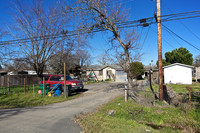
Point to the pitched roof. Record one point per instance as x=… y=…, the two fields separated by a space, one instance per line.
x=178 y=64
x=100 y=67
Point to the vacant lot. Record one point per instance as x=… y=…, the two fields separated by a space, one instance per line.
x=147 y=115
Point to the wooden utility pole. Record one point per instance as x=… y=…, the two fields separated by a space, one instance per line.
x=65 y=88
x=159 y=51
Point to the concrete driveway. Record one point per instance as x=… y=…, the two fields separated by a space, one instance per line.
x=57 y=118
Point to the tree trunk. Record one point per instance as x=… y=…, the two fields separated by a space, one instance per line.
x=127 y=68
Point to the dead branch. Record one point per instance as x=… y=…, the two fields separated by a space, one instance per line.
x=155 y=126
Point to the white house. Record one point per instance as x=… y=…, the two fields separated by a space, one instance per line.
x=178 y=73
x=24 y=72
x=103 y=72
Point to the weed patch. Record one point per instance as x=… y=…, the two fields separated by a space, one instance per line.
x=133 y=117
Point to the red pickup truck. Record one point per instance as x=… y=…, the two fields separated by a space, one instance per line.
x=55 y=79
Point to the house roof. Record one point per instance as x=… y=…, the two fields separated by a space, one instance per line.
x=178 y=64
x=114 y=67
x=154 y=70
x=100 y=67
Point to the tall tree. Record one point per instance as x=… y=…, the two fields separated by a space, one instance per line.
x=73 y=52
x=181 y=55
x=163 y=62
x=42 y=26
x=106 y=15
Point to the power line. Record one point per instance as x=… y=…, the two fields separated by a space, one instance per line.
x=141 y=22
x=163 y=39
x=181 y=21
x=181 y=38
x=172 y=36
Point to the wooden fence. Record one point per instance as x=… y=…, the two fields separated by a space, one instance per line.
x=14 y=80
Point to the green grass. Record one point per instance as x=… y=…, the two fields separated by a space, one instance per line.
x=92 y=82
x=180 y=89
x=17 y=99
x=108 y=79
x=132 y=117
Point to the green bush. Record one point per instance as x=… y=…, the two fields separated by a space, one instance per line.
x=108 y=79
x=137 y=69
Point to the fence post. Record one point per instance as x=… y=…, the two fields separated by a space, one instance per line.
x=8 y=83
x=126 y=93
x=43 y=86
x=24 y=85
x=27 y=82
x=189 y=94
x=33 y=91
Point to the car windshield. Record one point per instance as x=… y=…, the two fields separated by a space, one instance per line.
x=55 y=78
x=46 y=77
x=67 y=78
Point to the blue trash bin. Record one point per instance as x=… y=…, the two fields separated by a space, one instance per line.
x=57 y=92
x=57 y=89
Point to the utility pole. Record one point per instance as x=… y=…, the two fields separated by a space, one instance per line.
x=159 y=51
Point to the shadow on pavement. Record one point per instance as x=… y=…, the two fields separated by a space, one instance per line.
x=6 y=113
x=78 y=92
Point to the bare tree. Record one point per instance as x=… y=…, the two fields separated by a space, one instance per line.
x=84 y=58
x=101 y=15
x=41 y=27
x=73 y=52
x=105 y=59
x=3 y=48
x=17 y=64
x=196 y=62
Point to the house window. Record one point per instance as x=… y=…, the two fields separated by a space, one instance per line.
x=100 y=73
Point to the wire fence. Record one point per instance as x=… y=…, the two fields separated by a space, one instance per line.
x=16 y=80
x=33 y=88
x=18 y=83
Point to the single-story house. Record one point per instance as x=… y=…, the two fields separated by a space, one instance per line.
x=196 y=73
x=23 y=72
x=178 y=73
x=103 y=72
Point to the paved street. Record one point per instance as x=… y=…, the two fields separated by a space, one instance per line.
x=57 y=118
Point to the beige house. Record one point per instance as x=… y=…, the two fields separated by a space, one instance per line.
x=196 y=73
x=102 y=72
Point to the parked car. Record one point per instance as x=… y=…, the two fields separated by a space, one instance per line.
x=59 y=79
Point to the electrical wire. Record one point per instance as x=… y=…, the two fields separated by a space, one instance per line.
x=127 y=24
x=163 y=39
x=181 y=21
x=181 y=38
x=173 y=37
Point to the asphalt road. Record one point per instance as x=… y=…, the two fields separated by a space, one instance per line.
x=57 y=118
